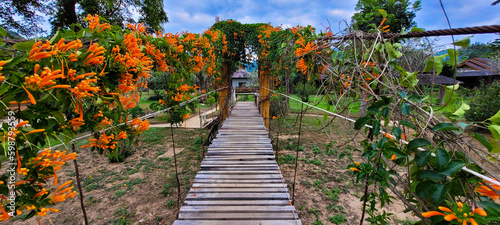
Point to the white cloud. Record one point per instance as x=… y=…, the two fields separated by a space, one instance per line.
x=342 y=13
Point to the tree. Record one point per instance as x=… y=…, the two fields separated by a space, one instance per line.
x=26 y=10
x=400 y=14
x=476 y=50
x=63 y=13
x=116 y=12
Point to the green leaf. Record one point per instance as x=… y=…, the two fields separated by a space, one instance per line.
x=495 y=118
x=452 y=54
x=442 y=158
x=397 y=132
x=461 y=111
x=325 y=116
x=479 y=137
x=440 y=191
x=407 y=123
x=360 y=122
x=425 y=189
x=24 y=46
x=58 y=116
x=452 y=167
x=405 y=108
x=495 y=130
x=431 y=175
x=417 y=29
x=56 y=37
x=463 y=42
x=376 y=127
x=68 y=35
x=417 y=143
x=3 y=33
x=445 y=127
x=422 y=157
x=382 y=12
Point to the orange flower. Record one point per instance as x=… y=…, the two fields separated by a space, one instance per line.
x=486 y=191
x=355 y=169
x=37 y=52
x=95 y=56
x=302 y=66
x=186 y=116
x=461 y=216
x=94 y=24
x=121 y=135
x=30 y=96
x=36 y=131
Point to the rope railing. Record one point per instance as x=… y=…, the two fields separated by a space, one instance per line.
x=150 y=115
x=465 y=169
x=443 y=32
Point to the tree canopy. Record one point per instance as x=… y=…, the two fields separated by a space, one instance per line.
x=63 y=13
x=400 y=14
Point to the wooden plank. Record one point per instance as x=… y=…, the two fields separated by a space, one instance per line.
x=239 y=162
x=239 y=185
x=238 y=202
x=238 y=176
x=237 y=209
x=240 y=216
x=242 y=196
x=237 y=222
x=241 y=181
x=237 y=190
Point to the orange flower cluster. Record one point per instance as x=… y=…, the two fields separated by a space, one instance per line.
x=138 y=125
x=302 y=66
x=385 y=28
x=103 y=142
x=85 y=88
x=305 y=48
x=55 y=160
x=76 y=123
x=1 y=75
x=37 y=51
x=61 y=46
x=61 y=194
x=139 y=27
x=486 y=191
x=94 y=24
x=96 y=55
x=461 y=216
x=46 y=78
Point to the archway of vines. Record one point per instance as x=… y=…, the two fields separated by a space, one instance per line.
x=88 y=82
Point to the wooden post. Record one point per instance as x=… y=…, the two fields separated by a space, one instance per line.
x=223 y=94
x=264 y=95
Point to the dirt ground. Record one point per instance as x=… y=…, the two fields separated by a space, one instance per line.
x=140 y=190
x=326 y=191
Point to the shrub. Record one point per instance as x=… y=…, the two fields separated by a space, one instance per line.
x=484 y=102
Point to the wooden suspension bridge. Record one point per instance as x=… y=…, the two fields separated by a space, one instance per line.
x=239 y=181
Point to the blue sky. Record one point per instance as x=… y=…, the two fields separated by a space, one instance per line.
x=196 y=16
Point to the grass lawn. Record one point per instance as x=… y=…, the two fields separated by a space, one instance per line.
x=320 y=102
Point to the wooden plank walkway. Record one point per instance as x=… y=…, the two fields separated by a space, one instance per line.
x=239 y=182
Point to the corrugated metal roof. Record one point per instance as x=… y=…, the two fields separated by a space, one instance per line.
x=476 y=67
x=241 y=73
x=427 y=79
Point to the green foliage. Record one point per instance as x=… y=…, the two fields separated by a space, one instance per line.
x=304 y=93
x=337 y=218
x=400 y=14
x=484 y=102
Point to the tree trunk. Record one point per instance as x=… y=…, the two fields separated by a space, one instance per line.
x=69 y=11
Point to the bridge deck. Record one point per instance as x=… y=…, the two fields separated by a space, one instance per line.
x=239 y=181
